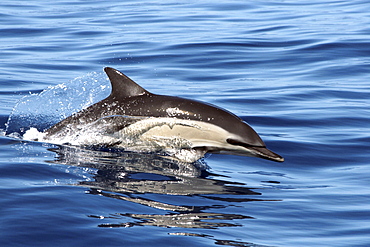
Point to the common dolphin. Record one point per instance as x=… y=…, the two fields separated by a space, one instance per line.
x=180 y=123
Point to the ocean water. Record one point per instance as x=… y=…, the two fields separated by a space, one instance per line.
x=296 y=71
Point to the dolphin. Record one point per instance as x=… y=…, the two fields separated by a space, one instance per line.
x=174 y=122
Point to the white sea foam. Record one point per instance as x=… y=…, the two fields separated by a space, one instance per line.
x=33 y=135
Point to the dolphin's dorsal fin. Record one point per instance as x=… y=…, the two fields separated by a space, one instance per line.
x=122 y=86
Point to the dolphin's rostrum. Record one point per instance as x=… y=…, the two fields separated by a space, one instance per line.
x=164 y=122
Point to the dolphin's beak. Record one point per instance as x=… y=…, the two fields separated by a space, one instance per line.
x=265 y=153
x=256 y=151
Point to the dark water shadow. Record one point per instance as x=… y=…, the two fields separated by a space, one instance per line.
x=188 y=194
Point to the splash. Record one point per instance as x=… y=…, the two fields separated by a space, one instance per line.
x=40 y=111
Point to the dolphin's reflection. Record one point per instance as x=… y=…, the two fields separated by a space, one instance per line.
x=136 y=177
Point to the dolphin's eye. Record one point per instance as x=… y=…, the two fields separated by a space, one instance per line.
x=239 y=143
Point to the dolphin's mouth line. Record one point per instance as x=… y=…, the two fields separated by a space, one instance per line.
x=238 y=143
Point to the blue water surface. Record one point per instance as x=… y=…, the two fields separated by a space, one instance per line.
x=297 y=71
